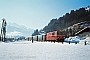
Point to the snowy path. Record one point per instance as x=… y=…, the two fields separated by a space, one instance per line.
x=43 y=51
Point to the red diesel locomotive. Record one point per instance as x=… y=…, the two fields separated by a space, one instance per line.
x=58 y=36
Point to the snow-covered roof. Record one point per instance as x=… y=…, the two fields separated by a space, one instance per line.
x=88 y=8
x=82 y=30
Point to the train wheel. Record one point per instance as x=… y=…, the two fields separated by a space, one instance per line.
x=51 y=41
x=54 y=41
x=62 y=42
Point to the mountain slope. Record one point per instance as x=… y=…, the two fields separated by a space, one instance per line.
x=80 y=15
x=14 y=27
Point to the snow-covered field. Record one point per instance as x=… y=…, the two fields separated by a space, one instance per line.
x=25 y=50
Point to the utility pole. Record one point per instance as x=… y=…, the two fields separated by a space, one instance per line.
x=1 y=35
x=3 y=30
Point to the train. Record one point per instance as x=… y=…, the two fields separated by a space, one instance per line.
x=55 y=36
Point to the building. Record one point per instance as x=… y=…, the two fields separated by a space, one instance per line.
x=84 y=32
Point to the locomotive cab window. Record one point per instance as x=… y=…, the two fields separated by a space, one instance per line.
x=52 y=33
x=55 y=32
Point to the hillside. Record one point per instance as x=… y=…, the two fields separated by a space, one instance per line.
x=18 y=29
x=80 y=15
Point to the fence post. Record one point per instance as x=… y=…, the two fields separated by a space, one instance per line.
x=45 y=37
x=28 y=38
x=69 y=42
x=75 y=43
x=85 y=43
x=42 y=37
x=32 y=39
x=37 y=37
x=0 y=38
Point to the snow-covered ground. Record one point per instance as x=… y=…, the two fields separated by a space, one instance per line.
x=25 y=50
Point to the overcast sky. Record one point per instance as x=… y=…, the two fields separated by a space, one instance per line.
x=37 y=13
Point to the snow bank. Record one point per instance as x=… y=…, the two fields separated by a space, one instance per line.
x=87 y=40
x=75 y=39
